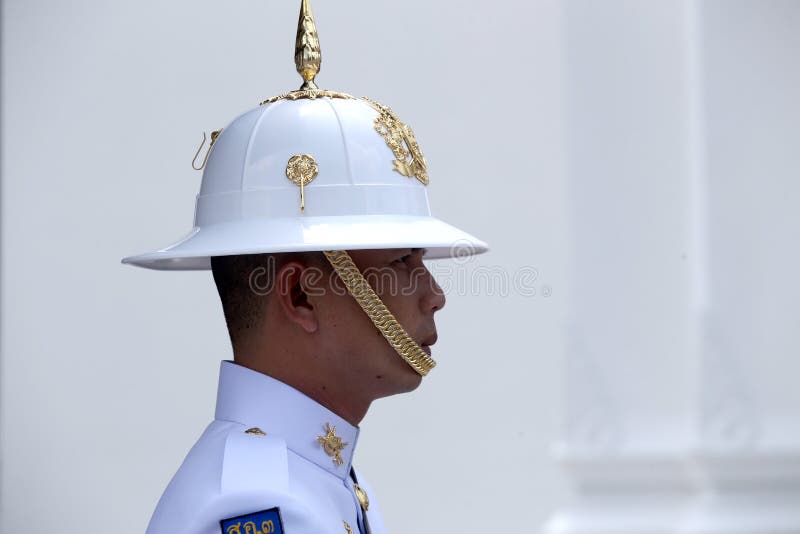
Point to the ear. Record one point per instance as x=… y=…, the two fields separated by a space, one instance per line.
x=292 y=292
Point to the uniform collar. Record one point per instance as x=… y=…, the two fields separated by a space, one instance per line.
x=257 y=400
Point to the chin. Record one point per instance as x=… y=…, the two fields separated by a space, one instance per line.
x=413 y=380
x=402 y=378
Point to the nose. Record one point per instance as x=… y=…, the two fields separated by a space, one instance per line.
x=433 y=300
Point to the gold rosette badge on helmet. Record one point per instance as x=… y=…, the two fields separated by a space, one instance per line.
x=301 y=170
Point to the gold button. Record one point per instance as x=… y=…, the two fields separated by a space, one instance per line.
x=362 y=497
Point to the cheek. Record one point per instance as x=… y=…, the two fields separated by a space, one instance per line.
x=394 y=287
x=404 y=307
x=349 y=326
x=343 y=320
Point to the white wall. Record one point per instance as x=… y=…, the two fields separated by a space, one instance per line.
x=109 y=373
x=681 y=135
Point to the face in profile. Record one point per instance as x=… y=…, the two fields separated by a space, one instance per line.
x=408 y=289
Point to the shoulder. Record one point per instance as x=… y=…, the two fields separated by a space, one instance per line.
x=229 y=473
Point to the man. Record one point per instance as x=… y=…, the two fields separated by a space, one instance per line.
x=314 y=219
x=311 y=334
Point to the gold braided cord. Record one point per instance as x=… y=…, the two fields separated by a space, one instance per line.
x=379 y=314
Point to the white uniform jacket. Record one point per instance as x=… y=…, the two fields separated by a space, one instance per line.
x=236 y=480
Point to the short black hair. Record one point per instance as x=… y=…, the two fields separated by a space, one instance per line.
x=240 y=304
x=245 y=281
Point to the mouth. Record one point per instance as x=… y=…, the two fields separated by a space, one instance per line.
x=427 y=342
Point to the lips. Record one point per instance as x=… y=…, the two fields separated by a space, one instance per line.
x=427 y=342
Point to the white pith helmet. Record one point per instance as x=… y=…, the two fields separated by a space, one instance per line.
x=312 y=170
x=317 y=170
x=357 y=200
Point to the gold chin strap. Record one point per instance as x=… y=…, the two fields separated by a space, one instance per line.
x=376 y=310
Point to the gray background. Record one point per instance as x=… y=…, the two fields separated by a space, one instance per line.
x=109 y=372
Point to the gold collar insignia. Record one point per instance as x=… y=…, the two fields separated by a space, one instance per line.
x=332 y=444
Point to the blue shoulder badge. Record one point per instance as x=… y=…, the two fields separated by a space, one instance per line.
x=263 y=522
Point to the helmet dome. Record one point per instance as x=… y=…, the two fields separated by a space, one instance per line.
x=318 y=171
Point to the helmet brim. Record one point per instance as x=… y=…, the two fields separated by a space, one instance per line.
x=304 y=234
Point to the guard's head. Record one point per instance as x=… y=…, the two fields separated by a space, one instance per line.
x=320 y=169
x=292 y=309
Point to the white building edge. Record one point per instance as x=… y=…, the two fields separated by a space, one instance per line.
x=683 y=354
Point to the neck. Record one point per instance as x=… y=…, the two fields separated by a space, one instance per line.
x=327 y=387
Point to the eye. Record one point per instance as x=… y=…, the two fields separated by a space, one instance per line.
x=402 y=260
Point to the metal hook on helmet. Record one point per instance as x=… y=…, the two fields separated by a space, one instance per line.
x=214 y=136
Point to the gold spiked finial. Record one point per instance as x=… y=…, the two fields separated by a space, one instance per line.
x=307 y=54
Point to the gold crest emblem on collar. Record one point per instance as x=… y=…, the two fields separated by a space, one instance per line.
x=332 y=444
